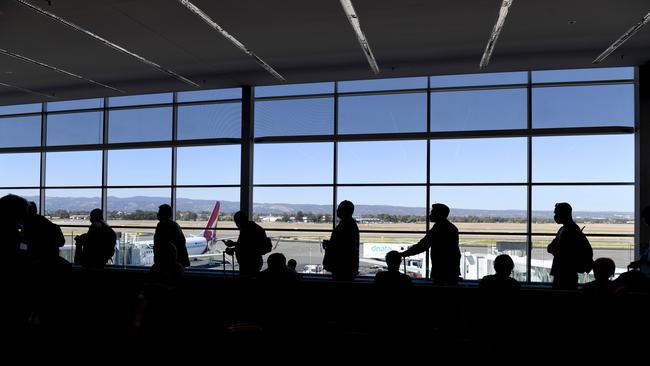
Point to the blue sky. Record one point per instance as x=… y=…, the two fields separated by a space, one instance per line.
x=605 y=158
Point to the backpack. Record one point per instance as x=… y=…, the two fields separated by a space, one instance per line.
x=266 y=246
x=584 y=253
x=108 y=245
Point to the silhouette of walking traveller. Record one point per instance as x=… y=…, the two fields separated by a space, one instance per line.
x=570 y=250
x=501 y=280
x=342 y=249
x=168 y=231
x=251 y=244
x=442 y=238
x=43 y=237
x=97 y=246
x=392 y=278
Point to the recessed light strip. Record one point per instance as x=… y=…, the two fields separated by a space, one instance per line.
x=107 y=42
x=28 y=91
x=206 y=18
x=503 y=12
x=32 y=61
x=363 y=42
x=622 y=39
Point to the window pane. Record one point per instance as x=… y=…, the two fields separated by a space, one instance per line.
x=296 y=117
x=583 y=106
x=294 y=163
x=387 y=208
x=383 y=113
x=194 y=207
x=20 y=170
x=137 y=206
x=498 y=78
x=605 y=73
x=83 y=168
x=297 y=208
x=479 y=251
x=484 y=209
x=139 y=167
x=21 y=108
x=382 y=162
x=601 y=209
x=382 y=84
x=604 y=158
x=75 y=104
x=478 y=110
x=375 y=246
x=294 y=89
x=209 y=121
x=215 y=94
x=495 y=160
x=20 y=131
x=140 y=99
x=75 y=128
x=72 y=206
x=146 y=124
x=208 y=165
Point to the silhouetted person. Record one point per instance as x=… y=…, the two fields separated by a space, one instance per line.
x=343 y=245
x=43 y=237
x=604 y=269
x=501 y=280
x=392 y=278
x=644 y=259
x=277 y=271
x=248 y=247
x=97 y=246
x=168 y=231
x=443 y=241
x=291 y=263
x=565 y=249
x=13 y=249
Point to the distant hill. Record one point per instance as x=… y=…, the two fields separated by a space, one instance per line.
x=130 y=204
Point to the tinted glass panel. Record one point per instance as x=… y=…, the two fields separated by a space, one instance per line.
x=20 y=131
x=605 y=158
x=209 y=121
x=136 y=206
x=82 y=168
x=499 y=78
x=293 y=207
x=146 y=124
x=478 y=110
x=20 y=170
x=383 y=113
x=75 y=128
x=382 y=84
x=583 y=106
x=194 y=206
x=208 y=165
x=382 y=162
x=294 y=89
x=139 y=167
x=72 y=206
x=75 y=104
x=21 y=108
x=606 y=73
x=140 y=99
x=294 y=117
x=479 y=160
x=294 y=163
x=216 y=94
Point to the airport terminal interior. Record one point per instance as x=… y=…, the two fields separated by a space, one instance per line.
x=282 y=110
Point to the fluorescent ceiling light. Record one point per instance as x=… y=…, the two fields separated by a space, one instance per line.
x=363 y=42
x=206 y=18
x=28 y=91
x=503 y=12
x=32 y=61
x=622 y=39
x=107 y=42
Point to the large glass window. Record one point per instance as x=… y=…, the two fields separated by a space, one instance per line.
x=208 y=165
x=141 y=124
x=75 y=128
x=139 y=167
x=382 y=162
x=79 y=168
x=20 y=131
x=20 y=170
x=392 y=113
x=294 y=117
x=207 y=121
x=293 y=163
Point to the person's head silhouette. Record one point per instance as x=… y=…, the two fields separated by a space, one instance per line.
x=393 y=260
x=345 y=210
x=562 y=213
x=603 y=268
x=96 y=215
x=276 y=261
x=240 y=219
x=164 y=212
x=439 y=212
x=503 y=265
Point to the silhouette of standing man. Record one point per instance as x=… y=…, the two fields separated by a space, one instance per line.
x=168 y=231
x=343 y=246
x=248 y=245
x=97 y=246
x=443 y=241
x=564 y=249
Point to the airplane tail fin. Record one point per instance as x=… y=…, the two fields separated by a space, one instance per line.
x=208 y=233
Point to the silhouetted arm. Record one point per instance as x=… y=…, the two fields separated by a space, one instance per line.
x=420 y=247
